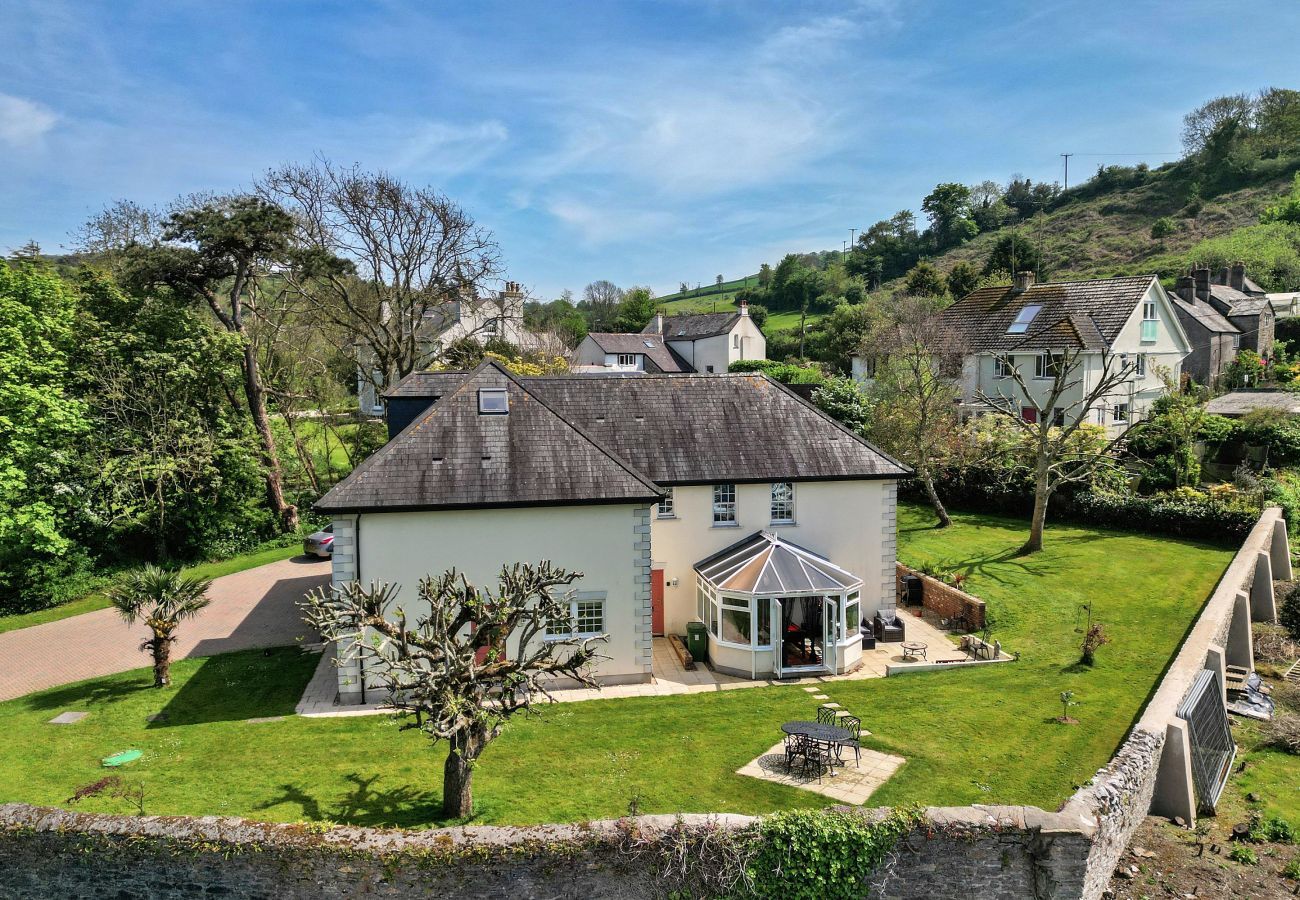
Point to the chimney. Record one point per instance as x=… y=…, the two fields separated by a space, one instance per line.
x=1202 y=278
x=1238 y=276
x=659 y=323
x=1022 y=281
x=1186 y=288
x=1222 y=277
x=744 y=307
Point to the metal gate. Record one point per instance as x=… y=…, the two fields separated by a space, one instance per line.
x=1213 y=750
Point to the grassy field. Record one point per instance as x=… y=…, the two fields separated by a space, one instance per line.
x=975 y=735
x=97 y=600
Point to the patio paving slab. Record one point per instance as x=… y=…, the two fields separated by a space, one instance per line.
x=853 y=782
x=68 y=718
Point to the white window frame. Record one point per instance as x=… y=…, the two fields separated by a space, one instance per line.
x=1149 y=311
x=723 y=489
x=1044 y=363
x=627 y=360
x=1140 y=366
x=666 y=508
x=1115 y=413
x=487 y=394
x=1003 y=366
x=580 y=608
x=784 y=505
x=491 y=326
x=1025 y=318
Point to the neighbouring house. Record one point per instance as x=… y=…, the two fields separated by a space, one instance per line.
x=1241 y=301
x=618 y=352
x=694 y=342
x=1285 y=304
x=1214 y=339
x=500 y=316
x=1028 y=325
x=726 y=500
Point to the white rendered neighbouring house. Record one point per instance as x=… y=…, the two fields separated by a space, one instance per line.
x=724 y=499
x=483 y=318
x=694 y=342
x=1126 y=321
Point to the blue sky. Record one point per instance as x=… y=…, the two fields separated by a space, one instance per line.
x=645 y=142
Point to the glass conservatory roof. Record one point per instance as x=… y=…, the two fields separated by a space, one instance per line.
x=765 y=564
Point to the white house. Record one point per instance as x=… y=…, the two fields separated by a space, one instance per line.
x=1129 y=320
x=695 y=342
x=677 y=496
x=482 y=318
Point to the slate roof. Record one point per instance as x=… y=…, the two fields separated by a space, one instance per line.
x=1205 y=314
x=602 y=438
x=426 y=384
x=454 y=457
x=1085 y=314
x=658 y=356
x=765 y=564
x=703 y=429
x=693 y=326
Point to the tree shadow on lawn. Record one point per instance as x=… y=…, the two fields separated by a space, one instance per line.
x=985 y=565
x=399 y=807
x=237 y=686
x=88 y=694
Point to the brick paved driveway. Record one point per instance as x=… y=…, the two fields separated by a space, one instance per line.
x=253 y=608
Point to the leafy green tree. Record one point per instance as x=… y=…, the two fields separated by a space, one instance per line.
x=842 y=399
x=948 y=208
x=1200 y=124
x=963 y=278
x=218 y=253
x=1013 y=253
x=162 y=599
x=42 y=425
x=925 y=280
x=635 y=310
x=915 y=391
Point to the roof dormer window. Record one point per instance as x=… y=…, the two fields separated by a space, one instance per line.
x=493 y=402
x=1023 y=318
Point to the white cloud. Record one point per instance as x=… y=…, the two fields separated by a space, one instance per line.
x=24 y=122
x=445 y=147
x=606 y=223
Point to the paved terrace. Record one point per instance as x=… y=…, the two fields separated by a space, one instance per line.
x=669 y=676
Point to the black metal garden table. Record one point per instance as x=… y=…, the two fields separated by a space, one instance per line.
x=819 y=732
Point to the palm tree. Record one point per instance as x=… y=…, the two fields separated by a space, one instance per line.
x=162 y=598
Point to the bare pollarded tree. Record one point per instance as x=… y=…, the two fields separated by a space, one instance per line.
x=380 y=260
x=1059 y=450
x=474 y=660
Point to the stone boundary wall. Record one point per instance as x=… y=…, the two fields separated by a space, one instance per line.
x=945 y=600
x=959 y=852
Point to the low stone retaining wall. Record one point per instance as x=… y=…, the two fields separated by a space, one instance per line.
x=945 y=600
x=982 y=851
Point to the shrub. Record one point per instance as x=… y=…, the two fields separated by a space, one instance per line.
x=1092 y=642
x=1163 y=227
x=1279 y=831
x=1273 y=644
x=786 y=373
x=1289 y=615
x=1198 y=515
x=824 y=855
x=1292 y=869
x=1244 y=855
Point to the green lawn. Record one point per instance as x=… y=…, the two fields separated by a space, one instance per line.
x=973 y=735
x=97 y=600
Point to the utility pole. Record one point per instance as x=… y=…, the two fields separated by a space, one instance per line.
x=1067 y=156
x=853 y=236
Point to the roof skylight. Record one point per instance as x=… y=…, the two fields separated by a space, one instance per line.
x=1023 y=318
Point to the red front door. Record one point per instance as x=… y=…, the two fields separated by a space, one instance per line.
x=657 y=601
x=1029 y=414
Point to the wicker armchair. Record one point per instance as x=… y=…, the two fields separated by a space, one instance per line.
x=890 y=628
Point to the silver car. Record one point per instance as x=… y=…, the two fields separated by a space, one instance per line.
x=320 y=544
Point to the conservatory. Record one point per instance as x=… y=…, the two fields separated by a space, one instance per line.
x=774 y=608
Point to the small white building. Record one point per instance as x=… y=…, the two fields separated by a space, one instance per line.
x=500 y=316
x=694 y=342
x=1130 y=320
x=673 y=494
